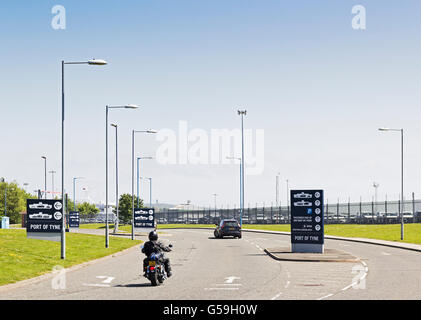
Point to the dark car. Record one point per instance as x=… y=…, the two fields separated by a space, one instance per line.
x=228 y=228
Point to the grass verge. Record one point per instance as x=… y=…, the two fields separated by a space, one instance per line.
x=22 y=258
x=389 y=232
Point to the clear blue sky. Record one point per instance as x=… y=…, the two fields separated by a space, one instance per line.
x=317 y=87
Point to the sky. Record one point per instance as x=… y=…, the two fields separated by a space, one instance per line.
x=317 y=88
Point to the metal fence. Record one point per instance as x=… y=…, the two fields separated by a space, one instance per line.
x=386 y=212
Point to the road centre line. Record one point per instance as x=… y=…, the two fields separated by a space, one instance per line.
x=96 y=285
x=211 y=289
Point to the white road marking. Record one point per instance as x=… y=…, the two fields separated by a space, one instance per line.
x=231 y=279
x=96 y=285
x=277 y=296
x=107 y=279
x=386 y=254
x=287 y=285
x=211 y=289
x=228 y=284
x=329 y=295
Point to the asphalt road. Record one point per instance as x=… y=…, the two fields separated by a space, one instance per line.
x=238 y=269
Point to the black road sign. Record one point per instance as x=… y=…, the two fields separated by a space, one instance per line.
x=144 y=218
x=307 y=216
x=44 y=216
x=74 y=219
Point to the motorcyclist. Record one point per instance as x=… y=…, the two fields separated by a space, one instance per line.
x=156 y=246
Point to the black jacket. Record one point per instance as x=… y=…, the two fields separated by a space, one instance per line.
x=154 y=247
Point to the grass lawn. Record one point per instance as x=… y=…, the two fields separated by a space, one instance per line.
x=22 y=258
x=390 y=232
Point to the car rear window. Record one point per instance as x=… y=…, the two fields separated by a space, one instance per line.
x=231 y=224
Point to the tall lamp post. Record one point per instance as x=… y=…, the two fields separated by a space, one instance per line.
x=5 y=195
x=74 y=191
x=138 y=176
x=128 y=106
x=133 y=151
x=89 y=62
x=288 y=197
x=116 y=178
x=376 y=186
x=150 y=190
x=242 y=113
x=52 y=183
x=402 y=204
x=241 y=179
x=277 y=190
x=45 y=176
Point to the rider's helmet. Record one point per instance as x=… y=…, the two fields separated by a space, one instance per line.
x=153 y=236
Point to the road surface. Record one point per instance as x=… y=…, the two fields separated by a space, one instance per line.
x=238 y=269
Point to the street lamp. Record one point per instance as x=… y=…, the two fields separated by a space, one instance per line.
x=242 y=113
x=241 y=185
x=214 y=196
x=116 y=178
x=150 y=190
x=127 y=106
x=288 y=196
x=277 y=190
x=401 y=206
x=138 y=174
x=89 y=62
x=45 y=176
x=133 y=151
x=52 y=183
x=74 y=191
x=5 y=196
x=376 y=186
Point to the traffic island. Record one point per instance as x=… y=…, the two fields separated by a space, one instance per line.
x=329 y=255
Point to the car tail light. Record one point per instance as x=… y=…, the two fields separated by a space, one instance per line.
x=152 y=268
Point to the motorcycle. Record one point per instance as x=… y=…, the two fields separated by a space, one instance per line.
x=155 y=269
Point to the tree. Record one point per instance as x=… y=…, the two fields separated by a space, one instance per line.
x=15 y=200
x=87 y=209
x=125 y=207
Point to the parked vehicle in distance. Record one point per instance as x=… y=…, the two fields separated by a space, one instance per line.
x=228 y=228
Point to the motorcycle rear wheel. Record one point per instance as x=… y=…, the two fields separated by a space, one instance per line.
x=154 y=280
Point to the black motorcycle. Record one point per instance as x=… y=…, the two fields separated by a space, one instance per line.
x=155 y=269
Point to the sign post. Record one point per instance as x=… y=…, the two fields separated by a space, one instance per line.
x=74 y=219
x=307 y=221
x=44 y=219
x=144 y=219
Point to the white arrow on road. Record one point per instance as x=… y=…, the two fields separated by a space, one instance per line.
x=231 y=279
